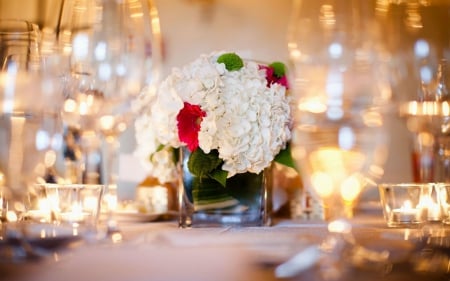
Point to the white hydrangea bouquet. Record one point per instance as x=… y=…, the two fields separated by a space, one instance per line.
x=232 y=115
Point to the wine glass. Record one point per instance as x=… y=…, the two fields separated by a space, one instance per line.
x=341 y=88
x=418 y=35
x=113 y=49
x=29 y=126
x=342 y=94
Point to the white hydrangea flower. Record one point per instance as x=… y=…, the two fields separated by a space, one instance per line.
x=246 y=121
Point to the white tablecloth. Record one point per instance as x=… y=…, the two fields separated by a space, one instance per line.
x=162 y=251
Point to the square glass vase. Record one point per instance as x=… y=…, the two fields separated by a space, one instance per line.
x=245 y=200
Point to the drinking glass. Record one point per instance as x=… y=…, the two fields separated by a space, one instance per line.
x=113 y=52
x=341 y=98
x=418 y=35
x=29 y=126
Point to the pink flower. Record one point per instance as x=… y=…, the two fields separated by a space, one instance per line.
x=189 y=119
x=272 y=78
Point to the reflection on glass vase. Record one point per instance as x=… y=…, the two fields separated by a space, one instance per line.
x=245 y=200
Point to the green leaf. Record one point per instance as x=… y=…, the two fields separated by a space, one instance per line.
x=279 y=69
x=232 y=61
x=246 y=187
x=159 y=148
x=201 y=164
x=220 y=176
x=175 y=155
x=207 y=194
x=284 y=157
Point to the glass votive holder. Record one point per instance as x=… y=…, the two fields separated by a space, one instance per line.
x=430 y=203
x=403 y=204
x=38 y=209
x=77 y=205
x=443 y=195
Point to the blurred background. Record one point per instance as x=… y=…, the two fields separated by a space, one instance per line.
x=256 y=29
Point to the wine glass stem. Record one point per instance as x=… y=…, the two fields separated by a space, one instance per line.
x=111 y=149
x=15 y=164
x=335 y=210
x=110 y=152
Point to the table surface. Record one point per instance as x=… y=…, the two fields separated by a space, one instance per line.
x=162 y=251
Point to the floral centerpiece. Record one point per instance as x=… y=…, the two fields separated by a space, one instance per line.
x=232 y=117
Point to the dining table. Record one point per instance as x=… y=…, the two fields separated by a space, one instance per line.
x=160 y=250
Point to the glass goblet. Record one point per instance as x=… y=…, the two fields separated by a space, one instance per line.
x=419 y=36
x=341 y=90
x=342 y=93
x=113 y=48
x=29 y=126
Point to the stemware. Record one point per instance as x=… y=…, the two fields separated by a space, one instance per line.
x=342 y=93
x=29 y=126
x=418 y=35
x=113 y=50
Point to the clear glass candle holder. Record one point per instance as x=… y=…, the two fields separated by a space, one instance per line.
x=405 y=204
x=76 y=205
x=430 y=203
x=443 y=195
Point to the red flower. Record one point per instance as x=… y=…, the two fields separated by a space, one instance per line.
x=189 y=119
x=272 y=78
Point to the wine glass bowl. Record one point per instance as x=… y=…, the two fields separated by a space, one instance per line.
x=340 y=159
x=427 y=122
x=29 y=112
x=341 y=98
x=108 y=62
x=418 y=36
x=113 y=51
x=30 y=136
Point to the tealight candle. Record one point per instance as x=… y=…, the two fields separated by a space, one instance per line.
x=39 y=215
x=431 y=209
x=42 y=213
x=434 y=212
x=405 y=214
x=403 y=203
x=71 y=204
x=90 y=203
x=74 y=215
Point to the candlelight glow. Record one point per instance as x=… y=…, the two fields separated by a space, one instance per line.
x=339 y=226
x=76 y=213
x=70 y=106
x=322 y=184
x=11 y=216
x=407 y=206
x=350 y=189
x=331 y=169
x=43 y=205
x=426 y=108
x=433 y=210
x=313 y=105
x=90 y=203
x=116 y=238
x=107 y=122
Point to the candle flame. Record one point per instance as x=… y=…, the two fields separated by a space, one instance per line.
x=407 y=205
